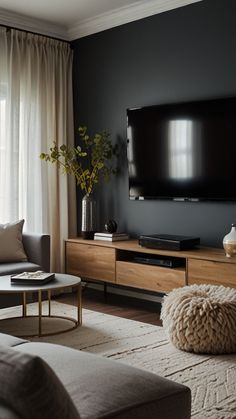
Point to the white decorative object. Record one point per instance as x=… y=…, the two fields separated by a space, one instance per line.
x=229 y=242
x=201 y=318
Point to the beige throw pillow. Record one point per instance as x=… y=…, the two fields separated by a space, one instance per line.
x=11 y=246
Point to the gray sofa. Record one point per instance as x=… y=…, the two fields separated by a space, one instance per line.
x=37 y=249
x=59 y=382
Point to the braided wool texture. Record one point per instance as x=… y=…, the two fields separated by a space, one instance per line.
x=201 y=318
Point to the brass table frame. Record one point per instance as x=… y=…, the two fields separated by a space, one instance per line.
x=76 y=322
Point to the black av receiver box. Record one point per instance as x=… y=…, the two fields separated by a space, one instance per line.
x=166 y=263
x=168 y=242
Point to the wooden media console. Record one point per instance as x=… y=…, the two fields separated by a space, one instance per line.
x=116 y=262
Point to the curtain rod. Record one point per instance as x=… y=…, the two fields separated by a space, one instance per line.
x=35 y=33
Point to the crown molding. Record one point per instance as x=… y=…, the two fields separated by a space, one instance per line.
x=16 y=20
x=123 y=15
x=138 y=10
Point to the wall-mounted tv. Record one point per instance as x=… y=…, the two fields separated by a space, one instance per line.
x=183 y=151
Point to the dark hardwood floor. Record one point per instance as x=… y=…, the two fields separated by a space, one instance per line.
x=116 y=305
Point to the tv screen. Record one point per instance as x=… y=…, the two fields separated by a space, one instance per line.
x=183 y=150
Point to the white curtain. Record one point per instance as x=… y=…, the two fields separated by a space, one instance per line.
x=35 y=110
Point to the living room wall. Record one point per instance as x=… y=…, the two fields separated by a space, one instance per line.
x=185 y=54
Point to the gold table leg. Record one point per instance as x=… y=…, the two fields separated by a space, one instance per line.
x=79 y=305
x=49 y=303
x=40 y=311
x=24 y=305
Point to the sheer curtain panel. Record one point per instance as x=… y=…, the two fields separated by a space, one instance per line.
x=35 y=110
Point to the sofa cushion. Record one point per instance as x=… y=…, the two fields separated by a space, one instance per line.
x=11 y=247
x=17 y=268
x=7 y=413
x=102 y=388
x=8 y=340
x=30 y=388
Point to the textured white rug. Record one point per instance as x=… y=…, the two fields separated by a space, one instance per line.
x=212 y=379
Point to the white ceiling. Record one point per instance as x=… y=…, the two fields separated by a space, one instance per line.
x=61 y=12
x=71 y=19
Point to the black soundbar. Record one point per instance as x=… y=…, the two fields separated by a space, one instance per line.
x=168 y=242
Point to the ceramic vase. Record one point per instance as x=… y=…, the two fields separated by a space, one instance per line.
x=229 y=242
x=88 y=217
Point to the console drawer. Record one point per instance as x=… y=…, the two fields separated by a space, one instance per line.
x=210 y=272
x=90 y=261
x=153 y=278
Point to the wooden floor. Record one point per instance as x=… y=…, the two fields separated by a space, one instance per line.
x=116 y=305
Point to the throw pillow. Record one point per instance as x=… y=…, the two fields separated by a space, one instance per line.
x=11 y=246
x=30 y=388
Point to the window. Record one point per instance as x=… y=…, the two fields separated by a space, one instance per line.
x=2 y=153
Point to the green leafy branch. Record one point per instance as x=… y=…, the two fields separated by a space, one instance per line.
x=89 y=162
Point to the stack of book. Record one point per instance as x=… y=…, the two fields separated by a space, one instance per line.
x=32 y=278
x=111 y=236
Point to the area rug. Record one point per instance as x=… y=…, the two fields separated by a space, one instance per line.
x=212 y=379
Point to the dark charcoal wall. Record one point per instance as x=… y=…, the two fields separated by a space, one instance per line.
x=184 y=54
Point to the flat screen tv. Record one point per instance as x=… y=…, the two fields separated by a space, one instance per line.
x=183 y=151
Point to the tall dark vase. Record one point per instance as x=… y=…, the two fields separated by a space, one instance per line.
x=88 y=217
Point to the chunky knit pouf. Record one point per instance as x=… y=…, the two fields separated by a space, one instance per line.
x=201 y=318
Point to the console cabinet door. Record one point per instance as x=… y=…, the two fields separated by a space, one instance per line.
x=151 y=278
x=90 y=261
x=211 y=272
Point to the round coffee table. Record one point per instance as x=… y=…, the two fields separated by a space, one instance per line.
x=61 y=281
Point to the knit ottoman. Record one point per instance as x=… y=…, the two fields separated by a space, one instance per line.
x=201 y=318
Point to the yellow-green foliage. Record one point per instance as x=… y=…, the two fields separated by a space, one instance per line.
x=88 y=163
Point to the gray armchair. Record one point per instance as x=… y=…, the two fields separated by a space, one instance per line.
x=37 y=249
